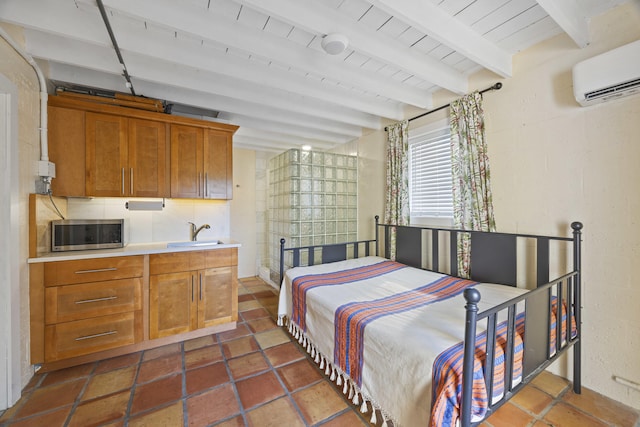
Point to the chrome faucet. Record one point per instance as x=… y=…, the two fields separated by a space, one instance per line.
x=195 y=231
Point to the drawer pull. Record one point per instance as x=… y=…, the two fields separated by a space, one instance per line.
x=99 y=270
x=88 y=337
x=85 y=301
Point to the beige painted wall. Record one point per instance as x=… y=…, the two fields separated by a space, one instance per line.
x=554 y=162
x=243 y=210
x=20 y=73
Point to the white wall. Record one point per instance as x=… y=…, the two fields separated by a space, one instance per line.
x=243 y=210
x=23 y=147
x=554 y=162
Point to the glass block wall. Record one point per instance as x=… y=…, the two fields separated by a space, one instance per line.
x=312 y=201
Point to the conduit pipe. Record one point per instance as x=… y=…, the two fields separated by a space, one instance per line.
x=44 y=96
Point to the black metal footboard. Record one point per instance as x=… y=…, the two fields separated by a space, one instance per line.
x=558 y=300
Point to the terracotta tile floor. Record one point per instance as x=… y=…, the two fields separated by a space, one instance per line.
x=253 y=376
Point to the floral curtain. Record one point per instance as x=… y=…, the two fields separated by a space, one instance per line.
x=472 y=199
x=397 y=197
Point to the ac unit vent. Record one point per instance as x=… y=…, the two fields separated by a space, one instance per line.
x=616 y=90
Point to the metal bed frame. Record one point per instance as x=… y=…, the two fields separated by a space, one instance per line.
x=494 y=259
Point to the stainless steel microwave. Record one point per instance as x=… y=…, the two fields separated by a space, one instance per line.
x=83 y=234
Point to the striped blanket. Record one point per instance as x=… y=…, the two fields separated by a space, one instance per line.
x=387 y=358
x=351 y=319
x=447 y=370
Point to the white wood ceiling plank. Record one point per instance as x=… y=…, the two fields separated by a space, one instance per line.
x=411 y=36
x=514 y=24
x=277 y=27
x=308 y=15
x=394 y=28
x=478 y=10
x=291 y=129
x=501 y=15
x=570 y=17
x=252 y=18
x=453 y=7
x=357 y=59
x=445 y=28
x=247 y=38
x=426 y=44
x=374 y=18
x=372 y=65
x=301 y=36
x=355 y=9
x=532 y=34
x=86 y=24
x=226 y=8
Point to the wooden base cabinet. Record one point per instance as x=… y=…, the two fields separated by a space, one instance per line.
x=85 y=306
x=87 y=309
x=192 y=290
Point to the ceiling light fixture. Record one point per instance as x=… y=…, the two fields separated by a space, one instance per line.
x=334 y=43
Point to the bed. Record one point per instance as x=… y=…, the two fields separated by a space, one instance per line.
x=411 y=342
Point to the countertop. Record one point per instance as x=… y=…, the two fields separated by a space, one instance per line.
x=128 y=250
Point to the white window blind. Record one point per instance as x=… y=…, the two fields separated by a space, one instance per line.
x=430 y=192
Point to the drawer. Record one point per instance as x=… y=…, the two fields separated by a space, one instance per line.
x=221 y=257
x=70 y=339
x=76 y=302
x=171 y=262
x=92 y=270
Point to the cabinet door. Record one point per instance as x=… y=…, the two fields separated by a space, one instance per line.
x=217 y=296
x=186 y=162
x=218 y=165
x=67 y=150
x=148 y=172
x=106 y=145
x=172 y=304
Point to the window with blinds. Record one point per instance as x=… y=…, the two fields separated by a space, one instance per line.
x=430 y=192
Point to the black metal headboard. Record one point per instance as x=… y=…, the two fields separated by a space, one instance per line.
x=494 y=256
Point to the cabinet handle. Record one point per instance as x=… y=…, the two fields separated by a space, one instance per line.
x=206 y=185
x=85 y=301
x=131 y=180
x=88 y=337
x=192 y=288
x=123 y=181
x=200 y=186
x=99 y=270
x=200 y=286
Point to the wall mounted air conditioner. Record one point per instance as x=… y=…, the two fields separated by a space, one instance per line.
x=611 y=75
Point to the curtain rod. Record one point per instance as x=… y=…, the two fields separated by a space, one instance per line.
x=496 y=86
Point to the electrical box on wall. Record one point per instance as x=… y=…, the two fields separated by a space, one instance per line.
x=46 y=169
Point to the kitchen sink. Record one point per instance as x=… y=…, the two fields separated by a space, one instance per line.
x=196 y=243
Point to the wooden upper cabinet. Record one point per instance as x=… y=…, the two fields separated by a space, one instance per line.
x=218 y=165
x=107 y=155
x=66 y=133
x=108 y=151
x=126 y=157
x=148 y=159
x=186 y=162
x=201 y=163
